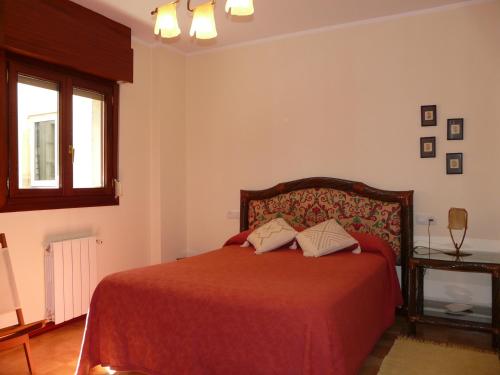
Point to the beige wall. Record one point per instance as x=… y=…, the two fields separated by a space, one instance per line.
x=169 y=114
x=131 y=232
x=346 y=103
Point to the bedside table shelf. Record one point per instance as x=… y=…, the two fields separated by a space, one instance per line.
x=479 y=314
x=479 y=319
x=478 y=262
x=453 y=322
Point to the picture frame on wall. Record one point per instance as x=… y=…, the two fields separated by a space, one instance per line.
x=428 y=114
x=428 y=147
x=455 y=129
x=454 y=163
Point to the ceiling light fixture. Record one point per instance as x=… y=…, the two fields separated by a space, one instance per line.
x=203 y=25
x=166 y=21
x=240 y=7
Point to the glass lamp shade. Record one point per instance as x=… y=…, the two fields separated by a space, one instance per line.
x=203 y=26
x=166 y=21
x=240 y=7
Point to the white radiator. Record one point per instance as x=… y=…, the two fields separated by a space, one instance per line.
x=70 y=278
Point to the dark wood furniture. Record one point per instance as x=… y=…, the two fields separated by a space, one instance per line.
x=404 y=198
x=478 y=262
x=18 y=334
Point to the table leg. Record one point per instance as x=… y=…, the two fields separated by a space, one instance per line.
x=420 y=290
x=412 y=308
x=495 y=304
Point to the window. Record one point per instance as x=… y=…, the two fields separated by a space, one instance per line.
x=88 y=119
x=37 y=129
x=62 y=137
x=44 y=155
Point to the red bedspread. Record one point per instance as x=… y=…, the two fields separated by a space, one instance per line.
x=232 y=312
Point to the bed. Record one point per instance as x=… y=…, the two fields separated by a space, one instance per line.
x=230 y=311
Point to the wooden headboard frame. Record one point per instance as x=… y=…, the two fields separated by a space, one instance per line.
x=404 y=198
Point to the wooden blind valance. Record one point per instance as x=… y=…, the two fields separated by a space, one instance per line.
x=65 y=33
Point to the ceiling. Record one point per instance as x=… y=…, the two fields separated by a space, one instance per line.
x=271 y=18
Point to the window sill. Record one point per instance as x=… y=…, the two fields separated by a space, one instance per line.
x=49 y=203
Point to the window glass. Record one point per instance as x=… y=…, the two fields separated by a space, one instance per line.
x=38 y=133
x=88 y=120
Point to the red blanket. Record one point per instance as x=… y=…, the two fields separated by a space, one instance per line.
x=233 y=312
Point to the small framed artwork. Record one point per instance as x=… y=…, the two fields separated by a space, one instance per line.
x=428 y=147
x=454 y=163
x=428 y=114
x=455 y=129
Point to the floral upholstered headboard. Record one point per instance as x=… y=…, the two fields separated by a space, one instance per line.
x=356 y=206
x=307 y=207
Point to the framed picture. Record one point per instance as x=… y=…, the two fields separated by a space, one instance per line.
x=428 y=147
x=454 y=163
x=428 y=114
x=455 y=129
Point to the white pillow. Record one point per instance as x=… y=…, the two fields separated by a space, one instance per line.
x=271 y=236
x=325 y=238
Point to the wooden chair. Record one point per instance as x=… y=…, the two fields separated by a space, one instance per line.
x=17 y=334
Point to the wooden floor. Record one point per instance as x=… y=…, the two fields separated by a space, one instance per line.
x=56 y=352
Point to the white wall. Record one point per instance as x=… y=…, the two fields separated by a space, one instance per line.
x=131 y=232
x=346 y=103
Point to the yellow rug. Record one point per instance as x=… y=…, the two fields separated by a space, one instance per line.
x=412 y=357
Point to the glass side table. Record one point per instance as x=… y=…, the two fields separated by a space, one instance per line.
x=478 y=262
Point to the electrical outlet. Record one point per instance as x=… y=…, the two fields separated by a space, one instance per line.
x=233 y=214
x=423 y=219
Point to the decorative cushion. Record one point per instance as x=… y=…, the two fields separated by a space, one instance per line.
x=271 y=236
x=307 y=207
x=325 y=238
x=239 y=238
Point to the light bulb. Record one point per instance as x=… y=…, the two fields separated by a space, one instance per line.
x=166 y=21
